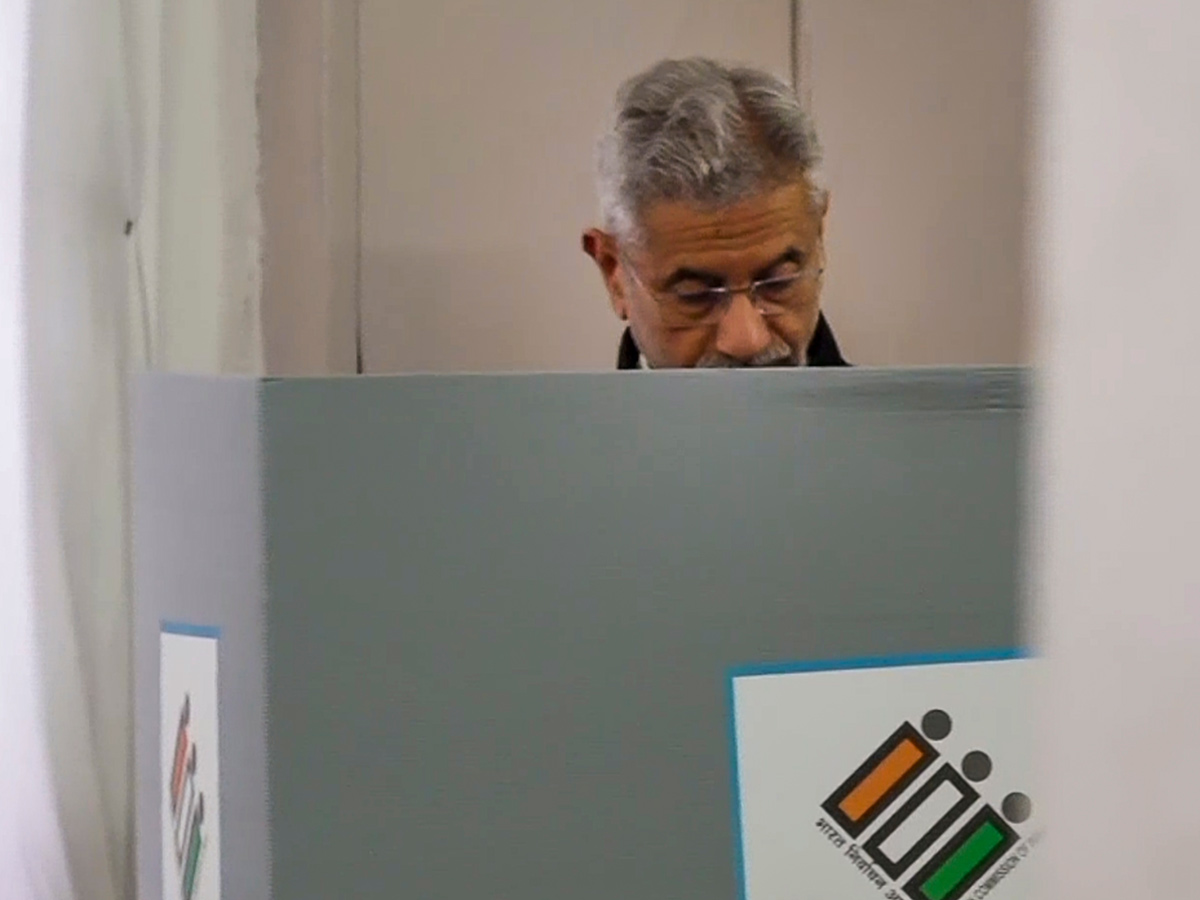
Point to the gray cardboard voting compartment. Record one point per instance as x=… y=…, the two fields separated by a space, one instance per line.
x=475 y=630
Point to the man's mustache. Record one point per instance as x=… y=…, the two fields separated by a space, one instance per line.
x=777 y=355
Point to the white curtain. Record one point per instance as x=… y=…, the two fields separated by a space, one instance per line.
x=32 y=855
x=139 y=234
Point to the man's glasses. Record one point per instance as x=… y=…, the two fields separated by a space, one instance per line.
x=705 y=306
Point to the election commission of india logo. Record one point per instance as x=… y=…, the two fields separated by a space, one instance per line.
x=919 y=826
x=187 y=806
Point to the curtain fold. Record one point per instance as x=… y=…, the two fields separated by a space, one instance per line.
x=139 y=236
x=32 y=853
x=75 y=294
x=207 y=202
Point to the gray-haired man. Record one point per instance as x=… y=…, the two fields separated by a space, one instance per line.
x=711 y=247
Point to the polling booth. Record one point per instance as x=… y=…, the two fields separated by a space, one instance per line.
x=675 y=635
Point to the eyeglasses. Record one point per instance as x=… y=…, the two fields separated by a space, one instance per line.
x=772 y=297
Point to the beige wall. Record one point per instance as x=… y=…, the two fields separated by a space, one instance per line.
x=921 y=108
x=472 y=138
x=478 y=122
x=308 y=108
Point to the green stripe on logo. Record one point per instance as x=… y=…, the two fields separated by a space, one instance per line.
x=986 y=839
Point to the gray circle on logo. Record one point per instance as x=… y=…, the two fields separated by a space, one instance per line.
x=1017 y=807
x=936 y=724
x=977 y=766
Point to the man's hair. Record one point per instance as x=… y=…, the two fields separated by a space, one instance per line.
x=701 y=132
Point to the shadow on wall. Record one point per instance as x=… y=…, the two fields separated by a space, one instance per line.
x=484 y=310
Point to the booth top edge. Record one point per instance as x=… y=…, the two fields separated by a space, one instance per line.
x=861 y=374
x=930 y=388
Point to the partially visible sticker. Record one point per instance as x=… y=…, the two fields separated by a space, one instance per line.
x=189 y=731
x=907 y=779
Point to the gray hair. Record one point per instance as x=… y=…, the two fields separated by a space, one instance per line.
x=702 y=132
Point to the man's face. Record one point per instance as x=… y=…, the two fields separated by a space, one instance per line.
x=686 y=249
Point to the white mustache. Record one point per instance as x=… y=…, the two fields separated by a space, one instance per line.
x=778 y=354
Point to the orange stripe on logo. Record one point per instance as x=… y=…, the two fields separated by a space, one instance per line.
x=892 y=768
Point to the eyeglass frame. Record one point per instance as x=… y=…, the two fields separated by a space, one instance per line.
x=725 y=293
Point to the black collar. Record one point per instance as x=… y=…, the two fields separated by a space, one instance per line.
x=822 y=349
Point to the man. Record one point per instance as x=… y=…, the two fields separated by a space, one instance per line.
x=711 y=247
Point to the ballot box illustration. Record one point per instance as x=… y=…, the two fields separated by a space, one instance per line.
x=577 y=635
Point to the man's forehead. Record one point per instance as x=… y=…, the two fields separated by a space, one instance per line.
x=776 y=218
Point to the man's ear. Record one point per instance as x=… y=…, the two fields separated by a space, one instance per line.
x=602 y=248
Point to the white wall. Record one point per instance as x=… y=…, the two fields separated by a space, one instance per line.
x=921 y=107
x=1118 y=449
x=478 y=126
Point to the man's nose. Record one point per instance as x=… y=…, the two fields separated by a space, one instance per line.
x=742 y=333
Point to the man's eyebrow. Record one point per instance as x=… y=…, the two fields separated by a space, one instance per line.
x=710 y=279
x=793 y=255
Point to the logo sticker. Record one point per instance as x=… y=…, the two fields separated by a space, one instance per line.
x=187 y=805
x=189 y=732
x=936 y=806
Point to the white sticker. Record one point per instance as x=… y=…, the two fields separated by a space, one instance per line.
x=907 y=779
x=189 y=732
